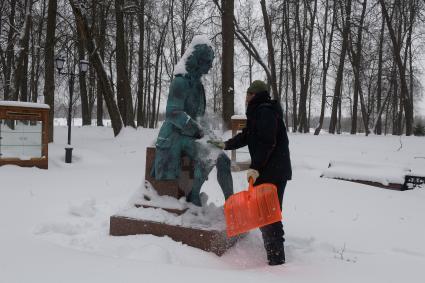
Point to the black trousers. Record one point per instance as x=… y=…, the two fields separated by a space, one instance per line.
x=273 y=234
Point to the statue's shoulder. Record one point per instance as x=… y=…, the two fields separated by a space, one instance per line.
x=180 y=78
x=179 y=82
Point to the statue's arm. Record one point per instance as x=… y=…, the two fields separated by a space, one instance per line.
x=175 y=112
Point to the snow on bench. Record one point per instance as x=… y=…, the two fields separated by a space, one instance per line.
x=24 y=104
x=384 y=175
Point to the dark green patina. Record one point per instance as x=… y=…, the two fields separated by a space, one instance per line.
x=182 y=126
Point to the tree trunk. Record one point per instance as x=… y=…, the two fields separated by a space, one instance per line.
x=282 y=52
x=173 y=34
x=100 y=41
x=36 y=52
x=378 y=128
x=159 y=50
x=340 y=72
x=159 y=91
x=146 y=99
x=395 y=101
x=26 y=43
x=20 y=78
x=325 y=63
x=49 y=65
x=292 y=64
x=304 y=125
x=405 y=97
x=140 y=83
x=125 y=101
x=10 y=53
x=338 y=128
x=270 y=49
x=82 y=82
x=227 y=67
x=286 y=94
x=357 y=67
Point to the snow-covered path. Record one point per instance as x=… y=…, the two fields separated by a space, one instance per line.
x=55 y=222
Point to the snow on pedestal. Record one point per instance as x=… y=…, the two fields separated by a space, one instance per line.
x=147 y=204
x=149 y=213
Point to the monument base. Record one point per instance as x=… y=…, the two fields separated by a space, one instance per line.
x=207 y=240
x=159 y=208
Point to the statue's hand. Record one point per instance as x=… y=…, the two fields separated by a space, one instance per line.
x=199 y=134
x=218 y=144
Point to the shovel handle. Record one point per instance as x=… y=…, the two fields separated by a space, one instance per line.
x=251 y=183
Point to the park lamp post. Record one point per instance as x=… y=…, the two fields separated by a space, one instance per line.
x=84 y=65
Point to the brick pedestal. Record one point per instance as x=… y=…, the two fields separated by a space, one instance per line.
x=214 y=241
x=207 y=240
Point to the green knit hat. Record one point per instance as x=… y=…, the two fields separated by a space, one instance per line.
x=257 y=86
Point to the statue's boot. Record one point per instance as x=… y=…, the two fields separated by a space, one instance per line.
x=201 y=172
x=200 y=176
x=224 y=175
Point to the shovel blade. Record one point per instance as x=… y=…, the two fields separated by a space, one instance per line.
x=254 y=208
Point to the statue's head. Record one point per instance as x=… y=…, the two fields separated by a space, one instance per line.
x=200 y=61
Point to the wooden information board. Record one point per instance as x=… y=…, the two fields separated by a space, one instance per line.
x=24 y=134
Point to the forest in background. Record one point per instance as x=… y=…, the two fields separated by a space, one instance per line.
x=352 y=65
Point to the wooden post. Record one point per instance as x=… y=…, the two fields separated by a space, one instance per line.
x=238 y=123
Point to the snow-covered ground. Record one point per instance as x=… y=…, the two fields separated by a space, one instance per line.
x=55 y=222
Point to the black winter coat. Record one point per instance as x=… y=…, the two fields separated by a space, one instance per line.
x=267 y=140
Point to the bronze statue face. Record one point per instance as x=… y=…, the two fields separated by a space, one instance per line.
x=200 y=62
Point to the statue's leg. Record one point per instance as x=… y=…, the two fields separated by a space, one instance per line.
x=205 y=160
x=202 y=167
x=224 y=175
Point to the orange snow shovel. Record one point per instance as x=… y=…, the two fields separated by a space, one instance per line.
x=247 y=210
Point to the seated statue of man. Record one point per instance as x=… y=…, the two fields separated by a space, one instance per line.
x=181 y=133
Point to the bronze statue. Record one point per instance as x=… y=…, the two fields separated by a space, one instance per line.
x=182 y=130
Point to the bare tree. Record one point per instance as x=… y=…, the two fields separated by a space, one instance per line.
x=326 y=56
x=270 y=48
x=401 y=65
x=305 y=60
x=356 y=62
x=156 y=85
x=125 y=101
x=227 y=67
x=98 y=65
x=49 y=65
x=346 y=12
x=140 y=83
x=20 y=70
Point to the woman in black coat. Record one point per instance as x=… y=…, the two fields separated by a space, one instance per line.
x=267 y=140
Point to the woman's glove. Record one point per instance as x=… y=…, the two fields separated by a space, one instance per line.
x=252 y=173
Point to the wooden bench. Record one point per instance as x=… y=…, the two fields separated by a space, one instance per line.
x=392 y=177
